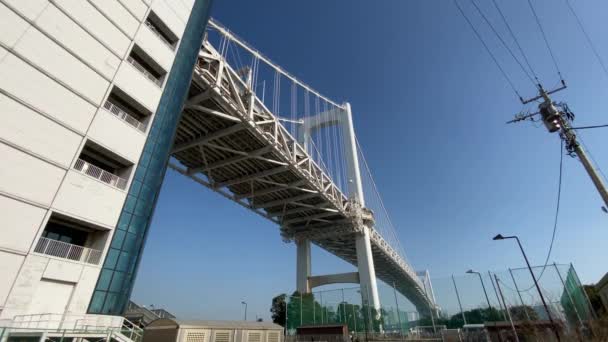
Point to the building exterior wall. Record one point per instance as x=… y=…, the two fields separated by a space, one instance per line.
x=59 y=62
x=115 y=284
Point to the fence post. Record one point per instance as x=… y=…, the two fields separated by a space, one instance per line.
x=464 y=319
x=499 y=302
x=523 y=306
x=507 y=309
x=314 y=310
x=344 y=308
x=398 y=315
x=313 y=305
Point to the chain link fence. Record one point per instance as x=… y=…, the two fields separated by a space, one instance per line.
x=470 y=304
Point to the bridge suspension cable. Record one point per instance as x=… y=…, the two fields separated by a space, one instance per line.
x=294 y=103
x=373 y=200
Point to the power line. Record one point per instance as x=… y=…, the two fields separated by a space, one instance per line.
x=504 y=19
x=502 y=40
x=545 y=39
x=504 y=74
x=559 y=196
x=589 y=127
x=591 y=45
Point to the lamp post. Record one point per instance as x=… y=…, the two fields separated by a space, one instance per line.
x=483 y=286
x=245 y=303
x=542 y=298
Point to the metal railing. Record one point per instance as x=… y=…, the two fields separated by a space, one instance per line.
x=74 y=324
x=160 y=36
x=132 y=331
x=82 y=322
x=100 y=174
x=144 y=72
x=66 y=250
x=124 y=116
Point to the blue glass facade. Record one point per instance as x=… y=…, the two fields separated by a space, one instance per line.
x=117 y=276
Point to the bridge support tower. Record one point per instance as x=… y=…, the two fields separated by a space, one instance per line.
x=366 y=275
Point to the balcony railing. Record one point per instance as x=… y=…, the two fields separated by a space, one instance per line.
x=66 y=250
x=124 y=116
x=100 y=174
x=160 y=36
x=144 y=72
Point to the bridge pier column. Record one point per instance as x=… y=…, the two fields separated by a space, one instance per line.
x=367 y=272
x=303 y=266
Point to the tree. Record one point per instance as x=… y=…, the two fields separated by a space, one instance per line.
x=278 y=309
x=595 y=299
x=518 y=313
x=475 y=316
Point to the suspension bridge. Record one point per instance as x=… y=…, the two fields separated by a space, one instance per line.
x=262 y=138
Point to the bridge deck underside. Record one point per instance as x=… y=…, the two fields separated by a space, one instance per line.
x=229 y=141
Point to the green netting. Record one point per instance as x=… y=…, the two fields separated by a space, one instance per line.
x=573 y=299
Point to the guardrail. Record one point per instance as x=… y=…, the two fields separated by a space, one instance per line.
x=67 y=251
x=144 y=72
x=84 y=322
x=71 y=324
x=124 y=116
x=100 y=174
x=160 y=36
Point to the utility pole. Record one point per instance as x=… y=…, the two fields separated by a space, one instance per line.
x=558 y=118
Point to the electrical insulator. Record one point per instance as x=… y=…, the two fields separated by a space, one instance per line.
x=551 y=117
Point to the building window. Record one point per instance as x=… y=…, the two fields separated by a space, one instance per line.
x=60 y=232
x=146 y=65
x=127 y=109
x=69 y=239
x=103 y=165
x=162 y=31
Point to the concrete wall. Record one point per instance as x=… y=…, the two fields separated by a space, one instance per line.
x=58 y=62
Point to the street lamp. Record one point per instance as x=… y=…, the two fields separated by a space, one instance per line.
x=245 y=303
x=483 y=286
x=542 y=298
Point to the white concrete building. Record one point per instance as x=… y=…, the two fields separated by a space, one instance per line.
x=80 y=87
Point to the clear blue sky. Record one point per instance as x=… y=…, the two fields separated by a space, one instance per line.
x=430 y=110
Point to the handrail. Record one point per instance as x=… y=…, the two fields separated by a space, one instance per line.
x=159 y=35
x=67 y=251
x=145 y=72
x=132 y=331
x=124 y=116
x=100 y=174
x=76 y=322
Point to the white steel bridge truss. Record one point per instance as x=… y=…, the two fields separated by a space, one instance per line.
x=231 y=143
